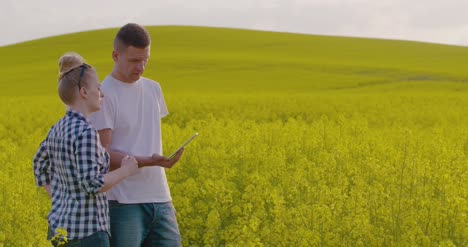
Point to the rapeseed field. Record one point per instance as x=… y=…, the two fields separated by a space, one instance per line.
x=304 y=140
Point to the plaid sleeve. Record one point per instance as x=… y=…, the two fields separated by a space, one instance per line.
x=89 y=162
x=41 y=166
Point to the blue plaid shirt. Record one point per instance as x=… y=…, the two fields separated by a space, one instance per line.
x=73 y=162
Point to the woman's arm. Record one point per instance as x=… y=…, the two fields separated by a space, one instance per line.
x=90 y=163
x=41 y=166
x=128 y=167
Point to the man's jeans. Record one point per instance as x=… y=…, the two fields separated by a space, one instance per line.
x=143 y=224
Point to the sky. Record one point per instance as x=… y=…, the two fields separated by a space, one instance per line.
x=435 y=21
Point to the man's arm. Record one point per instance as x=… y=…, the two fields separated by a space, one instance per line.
x=116 y=156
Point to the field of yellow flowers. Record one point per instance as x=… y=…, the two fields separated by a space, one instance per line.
x=326 y=151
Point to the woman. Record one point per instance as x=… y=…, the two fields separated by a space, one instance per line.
x=71 y=163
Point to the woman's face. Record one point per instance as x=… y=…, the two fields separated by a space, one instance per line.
x=93 y=88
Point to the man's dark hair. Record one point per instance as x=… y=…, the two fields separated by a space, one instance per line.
x=132 y=34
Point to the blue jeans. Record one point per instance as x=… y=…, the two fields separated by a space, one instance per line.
x=97 y=239
x=143 y=224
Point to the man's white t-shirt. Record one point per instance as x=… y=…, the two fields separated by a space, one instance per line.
x=133 y=112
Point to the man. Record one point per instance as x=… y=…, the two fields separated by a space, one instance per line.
x=129 y=123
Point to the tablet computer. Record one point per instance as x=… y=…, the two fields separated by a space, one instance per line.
x=170 y=157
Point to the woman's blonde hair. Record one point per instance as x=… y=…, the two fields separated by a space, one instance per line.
x=71 y=79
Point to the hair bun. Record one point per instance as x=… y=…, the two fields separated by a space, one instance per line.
x=69 y=61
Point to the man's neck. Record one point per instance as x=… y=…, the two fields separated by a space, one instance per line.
x=119 y=76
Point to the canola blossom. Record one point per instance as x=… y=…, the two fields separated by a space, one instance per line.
x=303 y=140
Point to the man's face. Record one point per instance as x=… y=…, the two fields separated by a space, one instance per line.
x=131 y=63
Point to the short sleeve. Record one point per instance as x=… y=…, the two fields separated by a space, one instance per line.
x=162 y=103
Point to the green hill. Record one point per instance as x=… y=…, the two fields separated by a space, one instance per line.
x=198 y=59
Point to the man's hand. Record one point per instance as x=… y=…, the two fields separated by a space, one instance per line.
x=158 y=160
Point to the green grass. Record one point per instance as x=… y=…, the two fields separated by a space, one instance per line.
x=215 y=60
